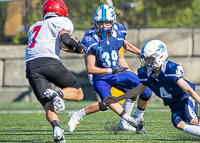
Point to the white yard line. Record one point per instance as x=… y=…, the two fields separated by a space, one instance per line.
x=27 y=111
x=66 y=111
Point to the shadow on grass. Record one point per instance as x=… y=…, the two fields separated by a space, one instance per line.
x=111 y=127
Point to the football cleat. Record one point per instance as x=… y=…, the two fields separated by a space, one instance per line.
x=136 y=122
x=58 y=135
x=74 y=120
x=56 y=99
x=125 y=126
x=139 y=130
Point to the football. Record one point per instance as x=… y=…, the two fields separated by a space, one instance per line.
x=65 y=48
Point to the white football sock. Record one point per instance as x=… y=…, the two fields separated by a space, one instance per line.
x=139 y=113
x=128 y=106
x=191 y=129
x=126 y=117
x=81 y=113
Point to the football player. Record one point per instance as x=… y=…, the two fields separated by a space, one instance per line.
x=165 y=79
x=43 y=66
x=109 y=69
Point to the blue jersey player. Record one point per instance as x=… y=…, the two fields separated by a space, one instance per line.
x=165 y=79
x=107 y=65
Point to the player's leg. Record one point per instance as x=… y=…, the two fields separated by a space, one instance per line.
x=118 y=109
x=71 y=93
x=190 y=108
x=140 y=110
x=70 y=89
x=125 y=82
x=128 y=106
x=186 y=110
x=102 y=88
x=180 y=124
x=76 y=116
x=39 y=84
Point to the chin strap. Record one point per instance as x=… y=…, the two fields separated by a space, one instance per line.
x=104 y=34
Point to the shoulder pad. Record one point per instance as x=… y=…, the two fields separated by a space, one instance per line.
x=121 y=28
x=91 y=31
x=87 y=41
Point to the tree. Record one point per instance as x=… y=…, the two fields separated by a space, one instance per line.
x=3 y=14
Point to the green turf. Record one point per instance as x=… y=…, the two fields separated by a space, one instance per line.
x=26 y=122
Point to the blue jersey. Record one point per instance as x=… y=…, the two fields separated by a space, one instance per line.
x=105 y=51
x=164 y=85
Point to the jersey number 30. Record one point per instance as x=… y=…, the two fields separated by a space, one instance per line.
x=35 y=31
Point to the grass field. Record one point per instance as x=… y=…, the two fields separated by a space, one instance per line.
x=25 y=122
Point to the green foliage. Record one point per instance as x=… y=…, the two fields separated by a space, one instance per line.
x=162 y=13
x=80 y=12
x=19 y=38
x=35 y=14
x=3 y=14
x=174 y=13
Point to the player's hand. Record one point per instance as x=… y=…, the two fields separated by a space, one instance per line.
x=110 y=99
x=84 y=48
x=119 y=70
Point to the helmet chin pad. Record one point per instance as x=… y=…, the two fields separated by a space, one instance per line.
x=103 y=34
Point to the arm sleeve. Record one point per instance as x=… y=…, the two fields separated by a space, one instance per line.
x=71 y=43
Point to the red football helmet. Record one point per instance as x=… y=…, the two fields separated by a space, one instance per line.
x=54 y=8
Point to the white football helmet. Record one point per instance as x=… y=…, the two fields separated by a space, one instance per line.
x=104 y=13
x=156 y=49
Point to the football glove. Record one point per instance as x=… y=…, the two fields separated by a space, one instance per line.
x=119 y=70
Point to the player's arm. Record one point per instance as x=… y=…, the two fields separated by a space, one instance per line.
x=130 y=47
x=70 y=42
x=122 y=62
x=186 y=87
x=132 y=93
x=91 y=68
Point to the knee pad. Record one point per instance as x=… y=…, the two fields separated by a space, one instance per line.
x=103 y=106
x=145 y=98
x=146 y=95
x=133 y=98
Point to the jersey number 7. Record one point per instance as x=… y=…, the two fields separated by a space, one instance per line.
x=35 y=31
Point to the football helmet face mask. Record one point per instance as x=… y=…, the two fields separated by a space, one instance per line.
x=155 y=49
x=104 y=13
x=54 y=8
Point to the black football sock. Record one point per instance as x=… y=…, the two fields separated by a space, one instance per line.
x=55 y=123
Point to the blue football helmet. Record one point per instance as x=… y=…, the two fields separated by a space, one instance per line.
x=104 y=13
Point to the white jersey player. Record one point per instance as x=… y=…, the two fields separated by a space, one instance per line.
x=43 y=66
x=43 y=37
